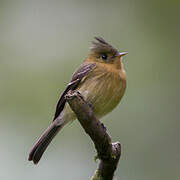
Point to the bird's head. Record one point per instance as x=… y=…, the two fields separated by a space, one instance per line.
x=103 y=52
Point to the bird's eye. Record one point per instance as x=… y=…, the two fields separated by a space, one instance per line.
x=104 y=56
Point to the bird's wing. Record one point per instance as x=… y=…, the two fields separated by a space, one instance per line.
x=76 y=79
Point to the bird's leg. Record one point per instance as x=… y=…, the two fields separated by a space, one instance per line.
x=90 y=105
x=104 y=127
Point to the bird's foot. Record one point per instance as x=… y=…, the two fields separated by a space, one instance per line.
x=104 y=127
x=90 y=105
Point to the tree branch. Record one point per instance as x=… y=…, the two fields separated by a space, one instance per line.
x=107 y=152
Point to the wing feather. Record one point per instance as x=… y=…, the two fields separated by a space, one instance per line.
x=76 y=79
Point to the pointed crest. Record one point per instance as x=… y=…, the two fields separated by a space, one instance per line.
x=101 y=46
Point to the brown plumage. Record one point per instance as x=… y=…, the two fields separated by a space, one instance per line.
x=101 y=79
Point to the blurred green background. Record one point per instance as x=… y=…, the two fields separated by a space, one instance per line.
x=42 y=42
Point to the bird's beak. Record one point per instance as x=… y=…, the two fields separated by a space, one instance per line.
x=122 y=54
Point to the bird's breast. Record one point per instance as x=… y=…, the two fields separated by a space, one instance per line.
x=103 y=89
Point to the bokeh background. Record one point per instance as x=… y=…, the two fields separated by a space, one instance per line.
x=43 y=41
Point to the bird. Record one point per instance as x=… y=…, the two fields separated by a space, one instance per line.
x=100 y=79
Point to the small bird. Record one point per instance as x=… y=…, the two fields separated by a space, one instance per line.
x=101 y=80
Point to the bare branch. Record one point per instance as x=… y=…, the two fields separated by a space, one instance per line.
x=107 y=152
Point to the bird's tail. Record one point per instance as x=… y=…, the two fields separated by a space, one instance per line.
x=43 y=142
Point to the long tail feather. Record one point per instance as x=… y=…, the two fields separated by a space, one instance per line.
x=43 y=142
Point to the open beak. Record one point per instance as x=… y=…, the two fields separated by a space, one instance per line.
x=122 y=54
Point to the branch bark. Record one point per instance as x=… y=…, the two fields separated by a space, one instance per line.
x=107 y=152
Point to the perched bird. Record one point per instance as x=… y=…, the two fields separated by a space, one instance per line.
x=101 y=80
